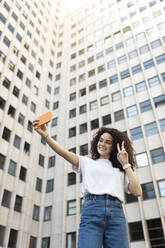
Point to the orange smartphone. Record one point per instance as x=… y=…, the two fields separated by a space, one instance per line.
x=43 y=119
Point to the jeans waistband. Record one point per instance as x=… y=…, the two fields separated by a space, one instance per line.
x=105 y=196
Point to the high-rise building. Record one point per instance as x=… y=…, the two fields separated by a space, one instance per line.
x=101 y=65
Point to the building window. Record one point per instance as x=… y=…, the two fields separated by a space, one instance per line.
x=71 y=240
x=151 y=128
x=41 y=160
x=27 y=147
x=144 y=49
x=160 y=59
x=140 y=36
x=156 y=43
x=157 y=155
x=132 y=54
x=162 y=124
x=155 y=232
x=136 y=133
x=36 y=212
x=18 y=203
x=101 y=68
x=148 y=191
x=142 y=159
x=159 y=100
x=2 y=161
x=82 y=109
x=93 y=105
x=92 y=87
x=72 y=96
x=22 y=175
x=136 y=69
x=51 y=162
x=102 y=83
x=129 y=198
x=148 y=64
x=71 y=207
x=71 y=178
x=72 y=132
x=161 y=185
x=111 y=64
x=47 y=213
x=39 y=184
x=136 y=231
x=2 y=235
x=54 y=122
x=94 y=124
x=104 y=100
x=83 y=128
x=12 y=168
x=124 y=74
x=128 y=91
x=46 y=242
x=154 y=81
x=91 y=73
x=2 y=103
x=106 y=119
x=113 y=79
x=6 y=198
x=116 y=96
x=132 y=111
x=119 y=115
x=145 y=106
x=6 y=134
x=33 y=242
x=84 y=150
x=141 y=86
x=21 y=119
x=122 y=59
x=13 y=238
x=50 y=186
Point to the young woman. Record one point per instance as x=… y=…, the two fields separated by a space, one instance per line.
x=106 y=175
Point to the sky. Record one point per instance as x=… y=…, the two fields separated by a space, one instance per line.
x=75 y=4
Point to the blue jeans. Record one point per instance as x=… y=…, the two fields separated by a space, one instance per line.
x=102 y=223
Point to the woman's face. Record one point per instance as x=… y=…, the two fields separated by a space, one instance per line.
x=104 y=145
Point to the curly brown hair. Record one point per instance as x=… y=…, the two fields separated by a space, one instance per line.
x=118 y=137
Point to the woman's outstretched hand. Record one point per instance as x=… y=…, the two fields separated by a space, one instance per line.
x=41 y=130
x=122 y=155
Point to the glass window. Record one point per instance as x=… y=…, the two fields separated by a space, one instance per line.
x=71 y=178
x=163 y=76
x=104 y=100
x=18 y=203
x=111 y=64
x=122 y=59
x=162 y=124
x=93 y=105
x=84 y=149
x=94 y=124
x=51 y=161
x=113 y=79
x=47 y=213
x=148 y=191
x=46 y=242
x=100 y=55
x=157 y=155
x=12 y=168
x=83 y=128
x=50 y=186
x=136 y=231
x=136 y=133
x=154 y=81
x=141 y=86
x=161 y=185
x=125 y=74
x=142 y=159
x=109 y=50
x=144 y=49
x=136 y=69
x=2 y=161
x=148 y=64
x=72 y=132
x=119 y=115
x=160 y=59
x=116 y=96
x=133 y=54
x=33 y=242
x=140 y=36
x=106 y=119
x=132 y=111
x=145 y=106
x=39 y=184
x=71 y=207
x=36 y=212
x=17 y=141
x=6 y=198
x=129 y=41
x=159 y=100
x=151 y=128
x=71 y=240
x=2 y=235
x=156 y=43
x=128 y=91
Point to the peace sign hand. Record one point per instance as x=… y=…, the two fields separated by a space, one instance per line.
x=122 y=155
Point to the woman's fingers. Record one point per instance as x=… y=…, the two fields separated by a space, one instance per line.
x=35 y=122
x=118 y=147
x=122 y=145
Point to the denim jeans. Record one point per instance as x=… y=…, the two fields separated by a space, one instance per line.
x=102 y=223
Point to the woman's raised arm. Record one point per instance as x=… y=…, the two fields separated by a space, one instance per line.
x=69 y=156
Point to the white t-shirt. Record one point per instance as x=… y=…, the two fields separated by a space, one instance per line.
x=100 y=177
